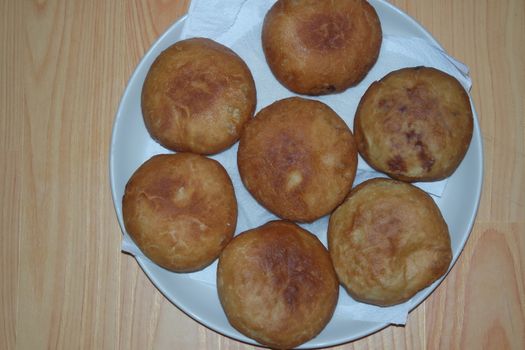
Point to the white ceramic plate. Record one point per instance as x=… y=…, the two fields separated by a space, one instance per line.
x=131 y=145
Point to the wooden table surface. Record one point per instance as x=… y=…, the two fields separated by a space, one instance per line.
x=64 y=65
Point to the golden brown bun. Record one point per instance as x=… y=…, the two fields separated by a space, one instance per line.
x=318 y=47
x=297 y=158
x=197 y=96
x=277 y=284
x=180 y=209
x=415 y=124
x=388 y=241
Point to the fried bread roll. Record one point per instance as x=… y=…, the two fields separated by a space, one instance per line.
x=319 y=47
x=277 y=285
x=388 y=241
x=197 y=96
x=297 y=158
x=415 y=124
x=180 y=209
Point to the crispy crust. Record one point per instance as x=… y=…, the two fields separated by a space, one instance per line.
x=297 y=158
x=180 y=209
x=319 y=47
x=415 y=124
x=277 y=284
x=388 y=241
x=197 y=96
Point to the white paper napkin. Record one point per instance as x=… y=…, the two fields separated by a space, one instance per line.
x=237 y=24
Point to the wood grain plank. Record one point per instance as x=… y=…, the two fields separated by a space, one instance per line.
x=11 y=110
x=506 y=51
x=139 y=308
x=69 y=269
x=41 y=273
x=94 y=69
x=481 y=304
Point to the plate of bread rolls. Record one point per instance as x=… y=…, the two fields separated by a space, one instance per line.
x=253 y=218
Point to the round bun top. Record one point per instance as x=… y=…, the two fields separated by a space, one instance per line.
x=415 y=124
x=319 y=47
x=277 y=285
x=181 y=210
x=388 y=241
x=297 y=158
x=197 y=96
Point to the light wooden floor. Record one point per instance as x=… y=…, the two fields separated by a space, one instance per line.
x=65 y=284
